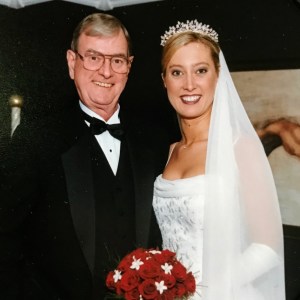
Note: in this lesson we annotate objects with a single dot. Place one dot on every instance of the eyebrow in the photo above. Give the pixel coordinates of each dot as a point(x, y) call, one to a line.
point(194, 65)
point(99, 53)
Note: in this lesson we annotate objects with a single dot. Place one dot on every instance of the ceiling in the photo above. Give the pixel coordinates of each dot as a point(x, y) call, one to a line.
point(99, 4)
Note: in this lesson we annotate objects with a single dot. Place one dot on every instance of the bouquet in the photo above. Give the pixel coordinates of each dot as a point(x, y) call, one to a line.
point(151, 274)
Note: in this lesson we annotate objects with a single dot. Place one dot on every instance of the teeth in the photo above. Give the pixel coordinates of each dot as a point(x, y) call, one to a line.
point(103, 84)
point(190, 98)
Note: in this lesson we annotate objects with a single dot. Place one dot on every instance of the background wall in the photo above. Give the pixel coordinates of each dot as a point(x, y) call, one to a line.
point(272, 97)
point(254, 35)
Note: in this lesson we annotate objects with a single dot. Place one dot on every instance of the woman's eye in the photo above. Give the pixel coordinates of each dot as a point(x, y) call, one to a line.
point(176, 73)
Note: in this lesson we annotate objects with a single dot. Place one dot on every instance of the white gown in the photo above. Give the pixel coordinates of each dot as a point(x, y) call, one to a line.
point(178, 205)
point(179, 208)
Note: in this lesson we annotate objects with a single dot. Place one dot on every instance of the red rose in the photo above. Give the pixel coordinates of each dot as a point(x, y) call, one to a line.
point(125, 263)
point(169, 280)
point(164, 257)
point(110, 283)
point(139, 253)
point(148, 289)
point(190, 283)
point(130, 280)
point(169, 255)
point(180, 290)
point(166, 295)
point(179, 272)
point(132, 295)
point(150, 269)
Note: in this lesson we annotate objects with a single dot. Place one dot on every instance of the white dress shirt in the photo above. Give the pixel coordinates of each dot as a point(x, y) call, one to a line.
point(109, 145)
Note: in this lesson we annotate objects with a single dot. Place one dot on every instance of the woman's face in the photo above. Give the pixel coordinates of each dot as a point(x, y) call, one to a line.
point(190, 80)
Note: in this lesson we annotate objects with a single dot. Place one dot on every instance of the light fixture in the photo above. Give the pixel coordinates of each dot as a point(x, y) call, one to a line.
point(99, 4)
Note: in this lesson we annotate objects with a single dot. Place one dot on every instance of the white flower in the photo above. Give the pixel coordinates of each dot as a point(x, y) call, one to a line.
point(167, 268)
point(136, 263)
point(117, 276)
point(154, 251)
point(160, 286)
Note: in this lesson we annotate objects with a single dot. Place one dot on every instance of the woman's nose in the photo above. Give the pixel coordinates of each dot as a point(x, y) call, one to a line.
point(189, 83)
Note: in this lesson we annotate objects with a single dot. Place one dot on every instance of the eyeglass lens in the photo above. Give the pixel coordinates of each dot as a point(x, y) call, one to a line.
point(94, 62)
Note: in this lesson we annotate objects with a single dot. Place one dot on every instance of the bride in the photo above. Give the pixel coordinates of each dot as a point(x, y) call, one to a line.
point(216, 203)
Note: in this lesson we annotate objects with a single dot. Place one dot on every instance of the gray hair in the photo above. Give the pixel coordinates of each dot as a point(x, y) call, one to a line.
point(99, 24)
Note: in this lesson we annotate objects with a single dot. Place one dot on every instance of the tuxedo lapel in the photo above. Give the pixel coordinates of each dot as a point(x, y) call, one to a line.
point(78, 173)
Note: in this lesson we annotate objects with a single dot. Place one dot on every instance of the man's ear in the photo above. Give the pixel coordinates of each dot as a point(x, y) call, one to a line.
point(130, 59)
point(71, 58)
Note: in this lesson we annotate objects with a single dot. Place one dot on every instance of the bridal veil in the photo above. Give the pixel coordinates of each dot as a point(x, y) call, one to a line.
point(243, 240)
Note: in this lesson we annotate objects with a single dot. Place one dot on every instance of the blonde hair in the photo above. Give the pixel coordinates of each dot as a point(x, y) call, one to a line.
point(184, 38)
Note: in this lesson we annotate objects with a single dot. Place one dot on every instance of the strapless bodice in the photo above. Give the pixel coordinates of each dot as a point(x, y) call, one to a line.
point(178, 206)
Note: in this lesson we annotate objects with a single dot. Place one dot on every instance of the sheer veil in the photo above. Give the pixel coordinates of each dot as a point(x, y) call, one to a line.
point(243, 241)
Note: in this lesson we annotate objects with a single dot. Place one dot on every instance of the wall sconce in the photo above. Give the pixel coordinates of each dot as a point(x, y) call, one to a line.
point(16, 103)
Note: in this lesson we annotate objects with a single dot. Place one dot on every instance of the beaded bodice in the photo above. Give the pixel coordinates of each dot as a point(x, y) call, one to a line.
point(178, 206)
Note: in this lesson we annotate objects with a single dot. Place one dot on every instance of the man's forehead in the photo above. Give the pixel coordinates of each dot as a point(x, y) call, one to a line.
point(117, 40)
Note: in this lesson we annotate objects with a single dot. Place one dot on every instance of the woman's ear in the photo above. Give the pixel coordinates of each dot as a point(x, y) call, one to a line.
point(163, 78)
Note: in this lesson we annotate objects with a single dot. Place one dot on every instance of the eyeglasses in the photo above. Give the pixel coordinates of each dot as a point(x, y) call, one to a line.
point(94, 61)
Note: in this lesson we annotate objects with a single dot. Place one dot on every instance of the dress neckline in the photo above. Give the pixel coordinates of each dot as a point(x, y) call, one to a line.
point(181, 179)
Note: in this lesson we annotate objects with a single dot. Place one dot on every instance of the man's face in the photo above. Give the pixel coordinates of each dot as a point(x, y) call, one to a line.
point(99, 90)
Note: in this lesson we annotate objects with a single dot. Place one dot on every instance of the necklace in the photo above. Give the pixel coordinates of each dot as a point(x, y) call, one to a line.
point(184, 146)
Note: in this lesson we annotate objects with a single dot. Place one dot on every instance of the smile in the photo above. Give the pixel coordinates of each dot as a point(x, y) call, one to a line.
point(103, 84)
point(190, 99)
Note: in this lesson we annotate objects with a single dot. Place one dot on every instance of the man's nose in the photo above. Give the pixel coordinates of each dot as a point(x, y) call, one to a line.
point(105, 69)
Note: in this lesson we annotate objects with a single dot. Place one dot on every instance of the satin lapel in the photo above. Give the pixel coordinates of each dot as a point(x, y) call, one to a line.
point(78, 171)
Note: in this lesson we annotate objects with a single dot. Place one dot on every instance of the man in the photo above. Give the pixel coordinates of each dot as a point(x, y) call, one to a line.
point(75, 196)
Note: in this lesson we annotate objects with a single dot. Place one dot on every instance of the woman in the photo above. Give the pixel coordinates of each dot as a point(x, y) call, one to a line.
point(216, 202)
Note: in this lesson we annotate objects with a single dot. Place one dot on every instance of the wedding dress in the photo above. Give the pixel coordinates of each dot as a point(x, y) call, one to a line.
point(179, 210)
point(178, 206)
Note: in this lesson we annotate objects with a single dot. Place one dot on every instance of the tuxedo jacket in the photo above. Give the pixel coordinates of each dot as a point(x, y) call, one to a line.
point(55, 210)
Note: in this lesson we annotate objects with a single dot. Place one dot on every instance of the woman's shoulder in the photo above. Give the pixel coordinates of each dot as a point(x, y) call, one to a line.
point(172, 146)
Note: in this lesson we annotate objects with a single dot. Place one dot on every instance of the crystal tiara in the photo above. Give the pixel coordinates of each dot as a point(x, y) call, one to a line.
point(193, 26)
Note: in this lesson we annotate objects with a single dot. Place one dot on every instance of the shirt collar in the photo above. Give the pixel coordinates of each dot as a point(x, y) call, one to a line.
point(114, 119)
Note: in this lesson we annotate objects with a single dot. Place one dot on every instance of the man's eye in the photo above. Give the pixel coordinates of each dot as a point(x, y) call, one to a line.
point(201, 71)
point(118, 60)
point(93, 58)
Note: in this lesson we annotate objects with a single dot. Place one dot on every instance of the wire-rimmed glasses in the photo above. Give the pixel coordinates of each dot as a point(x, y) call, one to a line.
point(93, 61)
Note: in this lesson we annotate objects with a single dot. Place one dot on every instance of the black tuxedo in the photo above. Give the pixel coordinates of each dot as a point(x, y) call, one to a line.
point(64, 216)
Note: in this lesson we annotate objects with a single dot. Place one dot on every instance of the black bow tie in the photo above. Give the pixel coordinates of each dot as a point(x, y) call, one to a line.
point(97, 126)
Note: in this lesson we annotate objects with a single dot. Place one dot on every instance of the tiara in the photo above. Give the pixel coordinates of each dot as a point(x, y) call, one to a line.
point(193, 26)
